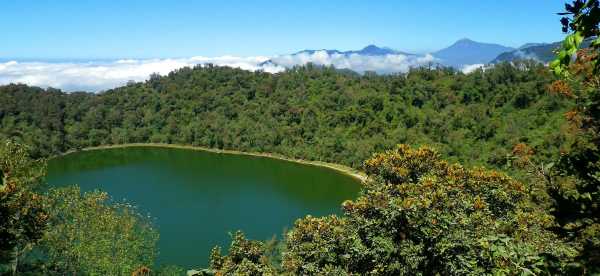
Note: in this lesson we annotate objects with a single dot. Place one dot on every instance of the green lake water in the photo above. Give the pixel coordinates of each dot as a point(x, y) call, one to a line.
point(196, 198)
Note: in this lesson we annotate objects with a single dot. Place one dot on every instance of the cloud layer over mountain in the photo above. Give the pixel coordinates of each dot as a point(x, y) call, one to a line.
point(356, 62)
point(97, 76)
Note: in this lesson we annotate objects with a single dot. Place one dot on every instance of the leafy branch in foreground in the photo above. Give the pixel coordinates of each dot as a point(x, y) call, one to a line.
point(581, 20)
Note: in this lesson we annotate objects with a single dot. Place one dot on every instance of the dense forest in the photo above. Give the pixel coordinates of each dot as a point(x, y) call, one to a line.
point(308, 112)
point(496, 172)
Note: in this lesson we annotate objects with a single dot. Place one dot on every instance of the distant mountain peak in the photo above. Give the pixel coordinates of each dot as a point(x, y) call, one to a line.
point(527, 45)
point(542, 52)
point(371, 47)
point(469, 42)
point(374, 50)
point(465, 40)
point(369, 50)
point(466, 51)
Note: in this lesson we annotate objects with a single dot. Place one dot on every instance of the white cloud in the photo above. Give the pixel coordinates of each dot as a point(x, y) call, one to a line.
point(356, 62)
point(472, 67)
point(96, 76)
point(524, 55)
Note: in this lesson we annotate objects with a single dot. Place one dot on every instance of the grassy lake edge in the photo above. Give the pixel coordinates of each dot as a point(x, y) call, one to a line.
point(337, 167)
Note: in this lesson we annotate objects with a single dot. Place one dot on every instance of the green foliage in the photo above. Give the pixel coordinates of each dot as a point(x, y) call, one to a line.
point(322, 246)
point(439, 216)
point(582, 20)
point(89, 236)
point(61, 231)
point(246, 257)
point(420, 215)
point(23, 218)
point(575, 185)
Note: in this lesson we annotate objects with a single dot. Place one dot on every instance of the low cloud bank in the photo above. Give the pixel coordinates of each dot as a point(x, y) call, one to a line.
point(472, 67)
point(520, 54)
point(97, 76)
point(359, 63)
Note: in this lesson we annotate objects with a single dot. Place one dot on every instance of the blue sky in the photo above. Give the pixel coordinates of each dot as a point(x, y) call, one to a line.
point(159, 29)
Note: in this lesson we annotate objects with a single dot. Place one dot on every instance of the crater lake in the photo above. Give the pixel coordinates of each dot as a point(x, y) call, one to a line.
point(196, 198)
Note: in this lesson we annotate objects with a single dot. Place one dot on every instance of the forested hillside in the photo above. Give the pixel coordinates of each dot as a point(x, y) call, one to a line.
point(524, 201)
point(308, 112)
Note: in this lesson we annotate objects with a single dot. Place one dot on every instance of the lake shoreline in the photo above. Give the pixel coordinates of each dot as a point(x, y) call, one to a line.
point(337, 167)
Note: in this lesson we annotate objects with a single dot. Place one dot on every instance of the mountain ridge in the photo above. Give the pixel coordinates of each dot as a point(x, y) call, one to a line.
point(542, 52)
point(461, 53)
point(466, 51)
point(369, 50)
